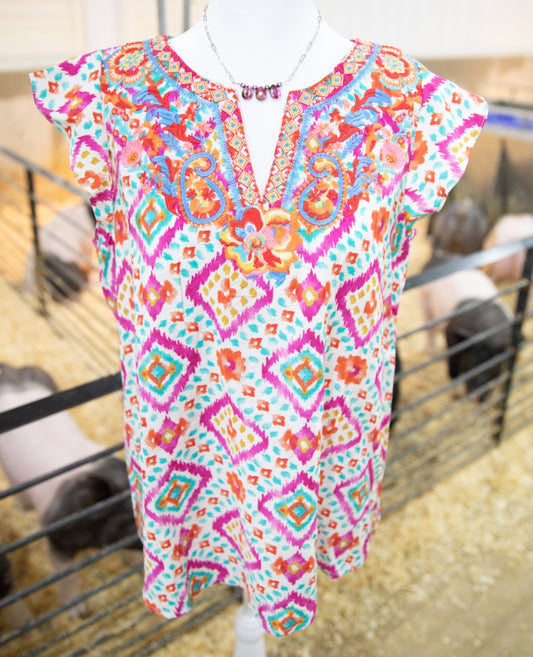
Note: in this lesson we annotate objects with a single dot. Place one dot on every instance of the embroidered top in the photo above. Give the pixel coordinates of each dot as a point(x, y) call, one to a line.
point(257, 331)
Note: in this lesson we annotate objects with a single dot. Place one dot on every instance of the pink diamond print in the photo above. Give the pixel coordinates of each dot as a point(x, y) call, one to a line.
point(446, 146)
point(292, 510)
point(165, 366)
point(244, 549)
point(292, 613)
point(153, 568)
point(310, 294)
point(297, 372)
point(228, 296)
point(338, 424)
point(362, 317)
point(295, 567)
point(201, 574)
point(174, 494)
point(123, 273)
point(326, 239)
point(354, 493)
point(240, 438)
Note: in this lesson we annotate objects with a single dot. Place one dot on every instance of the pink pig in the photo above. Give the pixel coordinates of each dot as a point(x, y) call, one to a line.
point(508, 228)
point(51, 443)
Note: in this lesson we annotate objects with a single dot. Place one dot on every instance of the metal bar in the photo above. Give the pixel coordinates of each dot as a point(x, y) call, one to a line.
point(472, 455)
point(235, 595)
point(521, 304)
point(495, 360)
point(161, 17)
point(186, 15)
point(48, 616)
point(93, 620)
point(59, 401)
point(64, 522)
point(42, 172)
point(409, 451)
point(18, 488)
point(38, 263)
point(464, 308)
point(461, 346)
point(478, 259)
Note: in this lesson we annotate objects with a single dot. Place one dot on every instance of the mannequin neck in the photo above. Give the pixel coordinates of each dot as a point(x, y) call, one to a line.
point(243, 31)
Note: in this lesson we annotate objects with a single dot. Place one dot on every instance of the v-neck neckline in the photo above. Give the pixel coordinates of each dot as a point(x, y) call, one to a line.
point(296, 102)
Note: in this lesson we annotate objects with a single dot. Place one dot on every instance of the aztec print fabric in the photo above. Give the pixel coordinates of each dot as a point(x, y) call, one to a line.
point(257, 331)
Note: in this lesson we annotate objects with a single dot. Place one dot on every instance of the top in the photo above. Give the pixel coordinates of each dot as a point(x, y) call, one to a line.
point(257, 331)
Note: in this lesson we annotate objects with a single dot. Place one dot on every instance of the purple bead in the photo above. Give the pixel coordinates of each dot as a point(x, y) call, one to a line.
point(260, 93)
point(275, 90)
point(247, 92)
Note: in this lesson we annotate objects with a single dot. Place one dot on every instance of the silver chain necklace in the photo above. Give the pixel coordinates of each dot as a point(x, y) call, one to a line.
point(261, 91)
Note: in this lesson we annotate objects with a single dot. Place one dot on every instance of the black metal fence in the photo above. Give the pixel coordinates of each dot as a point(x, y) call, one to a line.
point(436, 431)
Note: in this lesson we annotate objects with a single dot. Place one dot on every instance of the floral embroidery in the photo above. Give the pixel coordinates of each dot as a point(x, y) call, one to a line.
point(129, 64)
point(394, 71)
point(261, 241)
point(130, 155)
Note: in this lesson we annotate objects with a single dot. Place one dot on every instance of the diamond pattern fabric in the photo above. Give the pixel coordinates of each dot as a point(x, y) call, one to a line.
point(257, 331)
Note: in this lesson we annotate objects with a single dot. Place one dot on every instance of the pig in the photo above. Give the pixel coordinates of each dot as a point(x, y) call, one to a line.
point(53, 442)
point(67, 253)
point(450, 294)
point(460, 227)
point(508, 228)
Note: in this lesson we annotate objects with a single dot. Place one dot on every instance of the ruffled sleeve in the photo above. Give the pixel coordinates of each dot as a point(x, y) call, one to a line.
point(69, 96)
point(448, 120)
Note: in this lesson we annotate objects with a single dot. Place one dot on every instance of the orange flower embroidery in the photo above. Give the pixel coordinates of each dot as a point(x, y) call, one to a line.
point(129, 64)
point(260, 241)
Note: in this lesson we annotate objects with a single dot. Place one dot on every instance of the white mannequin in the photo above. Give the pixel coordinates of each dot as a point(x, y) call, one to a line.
point(260, 42)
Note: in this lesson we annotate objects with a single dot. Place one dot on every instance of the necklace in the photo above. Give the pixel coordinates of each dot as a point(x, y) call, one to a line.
point(261, 91)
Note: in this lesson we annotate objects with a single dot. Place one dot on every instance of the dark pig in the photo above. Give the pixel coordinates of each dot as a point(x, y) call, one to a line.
point(67, 253)
point(450, 295)
point(459, 227)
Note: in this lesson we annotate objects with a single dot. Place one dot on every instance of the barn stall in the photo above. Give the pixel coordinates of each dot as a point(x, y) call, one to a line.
point(435, 434)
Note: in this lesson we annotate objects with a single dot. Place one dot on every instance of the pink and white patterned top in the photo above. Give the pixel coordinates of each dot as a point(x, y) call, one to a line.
point(257, 331)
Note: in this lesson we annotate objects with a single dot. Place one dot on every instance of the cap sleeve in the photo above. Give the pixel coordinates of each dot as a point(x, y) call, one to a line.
point(69, 96)
point(448, 121)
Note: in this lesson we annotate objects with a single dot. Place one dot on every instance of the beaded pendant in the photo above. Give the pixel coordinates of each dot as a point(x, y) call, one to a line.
point(249, 91)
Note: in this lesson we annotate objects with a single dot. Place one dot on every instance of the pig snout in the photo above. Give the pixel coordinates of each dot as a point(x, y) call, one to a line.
point(102, 527)
point(468, 324)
